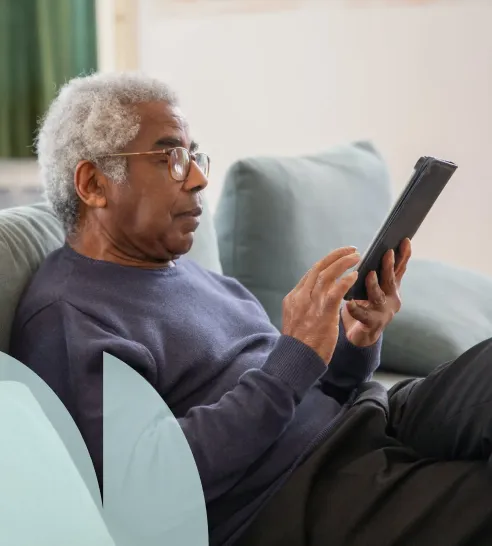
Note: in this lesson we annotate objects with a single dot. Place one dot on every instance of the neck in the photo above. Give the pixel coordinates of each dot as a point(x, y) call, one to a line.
point(100, 247)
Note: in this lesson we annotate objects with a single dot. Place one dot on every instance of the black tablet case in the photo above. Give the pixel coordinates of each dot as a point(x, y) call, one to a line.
point(426, 184)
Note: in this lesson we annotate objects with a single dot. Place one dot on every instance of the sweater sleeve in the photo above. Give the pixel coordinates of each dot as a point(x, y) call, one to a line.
point(350, 367)
point(65, 348)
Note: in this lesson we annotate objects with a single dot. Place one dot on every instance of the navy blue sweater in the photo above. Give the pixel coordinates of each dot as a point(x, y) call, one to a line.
point(252, 403)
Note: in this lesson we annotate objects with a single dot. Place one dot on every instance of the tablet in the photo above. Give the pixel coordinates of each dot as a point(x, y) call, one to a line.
point(428, 180)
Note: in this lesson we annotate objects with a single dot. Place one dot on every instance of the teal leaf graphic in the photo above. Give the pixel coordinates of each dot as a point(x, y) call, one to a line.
point(52, 409)
point(43, 499)
point(49, 495)
point(152, 490)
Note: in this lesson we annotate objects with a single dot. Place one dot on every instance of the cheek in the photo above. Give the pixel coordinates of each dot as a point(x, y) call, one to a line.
point(151, 194)
point(153, 215)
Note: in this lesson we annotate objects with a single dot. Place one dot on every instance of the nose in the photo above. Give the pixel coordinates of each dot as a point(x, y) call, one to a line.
point(196, 180)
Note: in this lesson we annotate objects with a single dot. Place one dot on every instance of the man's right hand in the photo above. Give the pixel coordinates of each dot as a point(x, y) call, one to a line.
point(311, 311)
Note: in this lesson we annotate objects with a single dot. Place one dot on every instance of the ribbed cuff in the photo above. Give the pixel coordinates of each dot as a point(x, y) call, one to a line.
point(354, 361)
point(296, 364)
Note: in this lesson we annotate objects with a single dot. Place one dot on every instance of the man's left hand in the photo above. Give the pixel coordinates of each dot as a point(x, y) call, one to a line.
point(365, 320)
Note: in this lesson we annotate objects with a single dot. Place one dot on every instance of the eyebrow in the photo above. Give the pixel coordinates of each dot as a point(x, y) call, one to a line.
point(172, 142)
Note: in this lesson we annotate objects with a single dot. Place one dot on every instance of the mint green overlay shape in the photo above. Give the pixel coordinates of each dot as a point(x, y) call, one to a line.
point(49, 494)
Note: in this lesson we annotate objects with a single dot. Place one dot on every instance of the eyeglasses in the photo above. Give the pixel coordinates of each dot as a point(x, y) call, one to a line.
point(179, 161)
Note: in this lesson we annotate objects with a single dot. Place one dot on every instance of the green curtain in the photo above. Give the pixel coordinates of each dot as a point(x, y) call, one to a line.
point(43, 43)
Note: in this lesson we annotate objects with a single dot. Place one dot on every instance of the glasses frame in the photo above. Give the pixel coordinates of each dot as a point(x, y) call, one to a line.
point(167, 153)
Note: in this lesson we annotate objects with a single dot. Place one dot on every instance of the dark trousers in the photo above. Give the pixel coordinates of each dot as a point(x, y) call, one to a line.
point(408, 467)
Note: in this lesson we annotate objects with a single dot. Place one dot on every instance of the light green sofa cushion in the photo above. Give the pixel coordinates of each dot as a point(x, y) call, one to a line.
point(27, 235)
point(205, 249)
point(446, 310)
point(277, 216)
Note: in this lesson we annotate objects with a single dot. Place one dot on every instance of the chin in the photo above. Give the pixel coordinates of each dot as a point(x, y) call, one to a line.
point(183, 245)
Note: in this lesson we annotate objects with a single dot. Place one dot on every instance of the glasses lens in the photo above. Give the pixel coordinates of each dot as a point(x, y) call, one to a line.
point(203, 162)
point(180, 164)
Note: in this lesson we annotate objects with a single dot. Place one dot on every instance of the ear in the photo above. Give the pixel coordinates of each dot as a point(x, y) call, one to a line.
point(90, 185)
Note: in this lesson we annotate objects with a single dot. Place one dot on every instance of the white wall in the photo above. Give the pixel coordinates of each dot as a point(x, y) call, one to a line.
point(117, 35)
point(415, 80)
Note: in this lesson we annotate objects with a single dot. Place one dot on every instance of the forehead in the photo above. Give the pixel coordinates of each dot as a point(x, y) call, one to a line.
point(158, 120)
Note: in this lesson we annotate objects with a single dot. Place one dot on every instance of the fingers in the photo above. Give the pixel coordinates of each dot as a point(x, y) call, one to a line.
point(392, 272)
point(375, 294)
point(332, 297)
point(388, 277)
point(343, 285)
point(405, 253)
point(328, 276)
point(369, 312)
point(310, 278)
point(361, 313)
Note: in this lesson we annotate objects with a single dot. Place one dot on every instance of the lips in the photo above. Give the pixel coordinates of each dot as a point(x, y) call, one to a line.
point(194, 213)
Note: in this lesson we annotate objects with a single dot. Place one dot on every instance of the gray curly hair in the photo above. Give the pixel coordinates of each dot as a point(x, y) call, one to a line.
point(91, 116)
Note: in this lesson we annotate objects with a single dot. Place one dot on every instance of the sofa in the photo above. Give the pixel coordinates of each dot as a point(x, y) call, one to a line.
point(276, 216)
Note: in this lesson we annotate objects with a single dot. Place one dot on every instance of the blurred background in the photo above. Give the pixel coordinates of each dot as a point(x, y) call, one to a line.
point(279, 77)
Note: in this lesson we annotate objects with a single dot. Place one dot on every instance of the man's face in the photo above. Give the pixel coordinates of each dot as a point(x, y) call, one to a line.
point(152, 215)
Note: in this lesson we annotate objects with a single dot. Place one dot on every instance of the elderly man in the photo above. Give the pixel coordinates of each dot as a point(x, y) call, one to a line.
point(292, 443)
